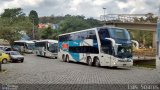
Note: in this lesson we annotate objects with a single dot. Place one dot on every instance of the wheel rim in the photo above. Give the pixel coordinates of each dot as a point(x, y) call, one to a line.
point(4, 61)
point(63, 58)
point(67, 58)
point(89, 62)
point(97, 63)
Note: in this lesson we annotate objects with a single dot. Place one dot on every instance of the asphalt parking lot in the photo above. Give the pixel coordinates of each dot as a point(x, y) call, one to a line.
point(47, 73)
point(40, 70)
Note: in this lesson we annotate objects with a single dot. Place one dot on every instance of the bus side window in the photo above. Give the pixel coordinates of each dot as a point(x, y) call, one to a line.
point(91, 34)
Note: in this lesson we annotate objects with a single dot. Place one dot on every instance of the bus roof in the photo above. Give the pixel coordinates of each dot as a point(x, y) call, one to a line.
point(90, 29)
point(26, 41)
point(48, 40)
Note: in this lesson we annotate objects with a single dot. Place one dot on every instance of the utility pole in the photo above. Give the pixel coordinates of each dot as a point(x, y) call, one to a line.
point(33, 30)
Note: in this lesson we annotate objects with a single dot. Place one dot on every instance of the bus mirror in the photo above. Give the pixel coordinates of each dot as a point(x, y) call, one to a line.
point(112, 41)
point(135, 44)
point(48, 44)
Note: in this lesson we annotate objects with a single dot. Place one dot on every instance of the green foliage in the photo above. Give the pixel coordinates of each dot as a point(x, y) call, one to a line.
point(143, 37)
point(74, 23)
point(15, 12)
point(67, 23)
point(46, 33)
point(33, 16)
point(12, 22)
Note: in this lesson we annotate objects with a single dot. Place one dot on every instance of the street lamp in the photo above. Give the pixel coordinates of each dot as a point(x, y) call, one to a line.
point(104, 12)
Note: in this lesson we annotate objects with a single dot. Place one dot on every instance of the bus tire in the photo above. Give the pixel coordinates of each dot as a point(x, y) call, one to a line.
point(44, 54)
point(63, 58)
point(89, 61)
point(97, 62)
point(67, 58)
point(55, 58)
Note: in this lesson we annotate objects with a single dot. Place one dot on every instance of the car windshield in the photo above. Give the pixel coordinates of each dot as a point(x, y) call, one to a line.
point(15, 53)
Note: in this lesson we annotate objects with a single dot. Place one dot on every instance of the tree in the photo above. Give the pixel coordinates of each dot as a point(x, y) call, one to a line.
point(15, 12)
point(47, 33)
point(33, 16)
point(12, 22)
point(68, 23)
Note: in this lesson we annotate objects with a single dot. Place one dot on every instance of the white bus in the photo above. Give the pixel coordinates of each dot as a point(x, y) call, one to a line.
point(46, 48)
point(101, 46)
point(24, 46)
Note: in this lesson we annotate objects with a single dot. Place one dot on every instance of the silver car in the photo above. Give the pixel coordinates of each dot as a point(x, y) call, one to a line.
point(15, 56)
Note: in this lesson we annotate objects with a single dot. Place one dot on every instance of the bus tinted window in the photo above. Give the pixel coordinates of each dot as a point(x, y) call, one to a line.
point(64, 38)
point(91, 34)
point(84, 35)
point(103, 33)
point(83, 49)
point(40, 44)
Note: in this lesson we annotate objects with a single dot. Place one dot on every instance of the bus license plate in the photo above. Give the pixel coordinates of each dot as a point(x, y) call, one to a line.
point(124, 64)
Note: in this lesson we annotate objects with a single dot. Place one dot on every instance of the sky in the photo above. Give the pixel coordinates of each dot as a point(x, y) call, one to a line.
point(88, 8)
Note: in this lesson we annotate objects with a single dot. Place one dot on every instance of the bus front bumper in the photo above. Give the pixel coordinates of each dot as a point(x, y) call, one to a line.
point(122, 64)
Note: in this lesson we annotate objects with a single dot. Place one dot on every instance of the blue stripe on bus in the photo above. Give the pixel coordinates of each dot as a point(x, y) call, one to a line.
point(75, 56)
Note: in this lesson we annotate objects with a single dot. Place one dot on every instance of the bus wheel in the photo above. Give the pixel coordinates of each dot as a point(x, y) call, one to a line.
point(89, 61)
point(67, 58)
point(97, 62)
point(63, 58)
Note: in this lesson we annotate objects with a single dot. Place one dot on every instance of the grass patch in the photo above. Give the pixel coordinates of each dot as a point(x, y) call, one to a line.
point(145, 63)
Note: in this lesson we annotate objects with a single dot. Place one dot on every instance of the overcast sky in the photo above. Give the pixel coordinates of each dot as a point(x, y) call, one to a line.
point(88, 8)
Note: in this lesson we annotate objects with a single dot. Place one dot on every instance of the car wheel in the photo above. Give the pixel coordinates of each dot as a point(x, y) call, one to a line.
point(21, 61)
point(4, 61)
point(55, 58)
point(11, 61)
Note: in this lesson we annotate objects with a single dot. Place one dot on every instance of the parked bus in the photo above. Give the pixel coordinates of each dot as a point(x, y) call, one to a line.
point(101, 46)
point(46, 48)
point(24, 46)
point(4, 47)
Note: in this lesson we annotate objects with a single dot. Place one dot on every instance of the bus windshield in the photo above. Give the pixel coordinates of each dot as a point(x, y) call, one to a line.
point(124, 52)
point(30, 46)
point(119, 33)
point(53, 47)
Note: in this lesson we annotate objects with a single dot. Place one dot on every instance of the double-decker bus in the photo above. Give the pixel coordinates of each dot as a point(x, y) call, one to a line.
point(46, 48)
point(101, 46)
point(24, 46)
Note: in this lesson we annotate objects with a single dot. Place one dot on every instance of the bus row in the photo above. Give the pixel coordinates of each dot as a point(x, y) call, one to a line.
point(101, 46)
